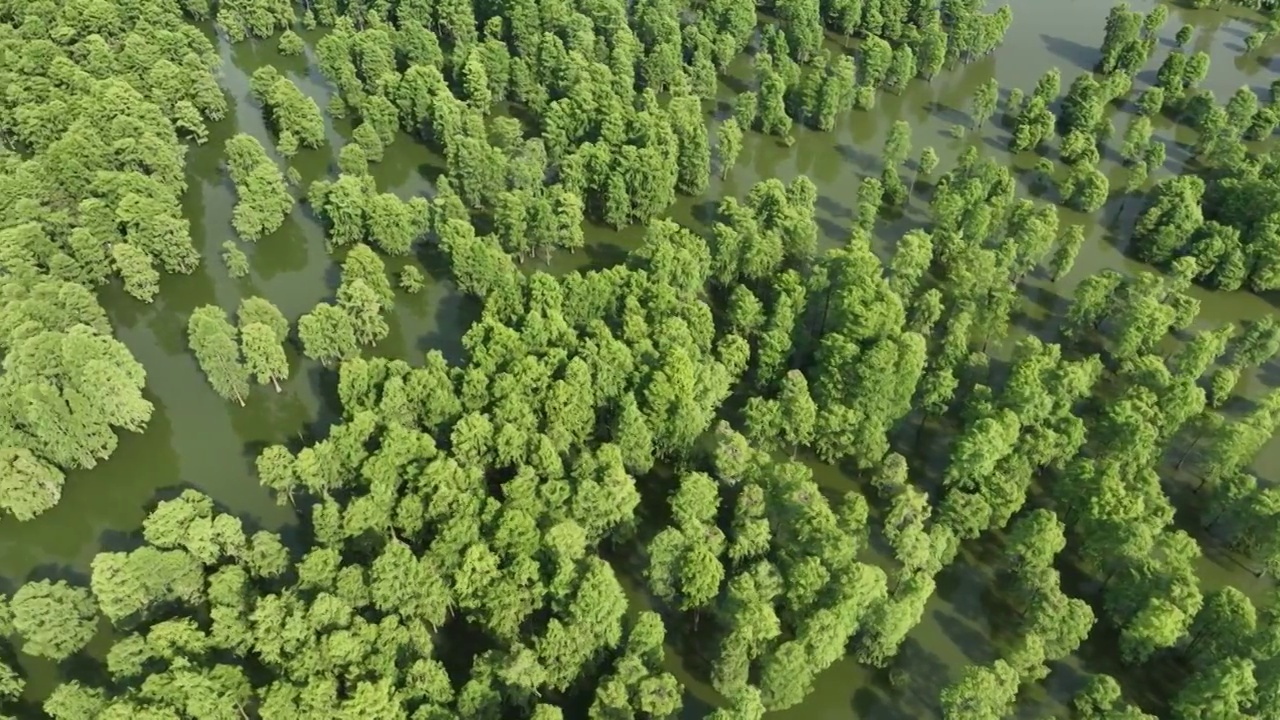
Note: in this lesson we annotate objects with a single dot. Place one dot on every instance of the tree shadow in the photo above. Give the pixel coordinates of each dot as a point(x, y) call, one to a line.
point(832, 230)
point(55, 572)
point(431, 172)
point(972, 642)
point(833, 208)
point(455, 313)
point(704, 212)
point(872, 703)
point(948, 114)
point(1268, 374)
point(1081, 56)
point(324, 387)
point(861, 160)
point(926, 676)
point(287, 249)
point(734, 83)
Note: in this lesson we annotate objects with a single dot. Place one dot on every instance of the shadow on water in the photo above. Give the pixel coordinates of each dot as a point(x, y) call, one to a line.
point(1082, 57)
point(972, 641)
point(949, 115)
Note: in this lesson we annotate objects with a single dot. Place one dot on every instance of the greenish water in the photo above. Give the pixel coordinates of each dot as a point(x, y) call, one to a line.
point(195, 439)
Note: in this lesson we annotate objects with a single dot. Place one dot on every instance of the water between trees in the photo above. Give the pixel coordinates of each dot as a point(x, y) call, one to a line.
point(196, 439)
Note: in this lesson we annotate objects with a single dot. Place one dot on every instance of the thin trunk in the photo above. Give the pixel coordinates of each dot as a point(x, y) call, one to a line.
point(1195, 640)
point(1215, 519)
point(1186, 453)
point(276, 384)
point(1203, 480)
point(826, 305)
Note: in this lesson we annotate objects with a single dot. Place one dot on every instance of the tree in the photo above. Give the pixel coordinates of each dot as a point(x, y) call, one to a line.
point(898, 144)
point(1086, 188)
point(234, 258)
point(411, 279)
point(902, 68)
point(29, 485)
point(1225, 689)
point(215, 343)
point(728, 145)
point(984, 102)
point(264, 357)
point(1100, 699)
point(928, 162)
point(1224, 627)
point(327, 334)
point(983, 693)
point(54, 619)
point(799, 409)
point(1064, 257)
point(262, 201)
point(1258, 343)
point(290, 43)
point(911, 261)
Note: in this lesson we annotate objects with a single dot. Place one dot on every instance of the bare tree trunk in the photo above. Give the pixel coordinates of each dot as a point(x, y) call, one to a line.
point(1187, 452)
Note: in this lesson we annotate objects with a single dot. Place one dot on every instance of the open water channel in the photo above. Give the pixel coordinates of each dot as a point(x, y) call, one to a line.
point(195, 439)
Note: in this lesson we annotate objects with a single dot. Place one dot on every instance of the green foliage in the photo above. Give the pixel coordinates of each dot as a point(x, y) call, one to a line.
point(234, 258)
point(289, 112)
point(215, 343)
point(262, 201)
point(411, 279)
point(472, 505)
point(290, 43)
point(55, 619)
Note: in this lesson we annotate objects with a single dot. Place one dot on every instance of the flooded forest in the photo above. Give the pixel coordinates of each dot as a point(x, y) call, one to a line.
point(794, 359)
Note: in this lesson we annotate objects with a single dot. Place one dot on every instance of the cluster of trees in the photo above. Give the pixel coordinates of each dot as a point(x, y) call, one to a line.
point(92, 123)
point(262, 199)
point(355, 212)
point(233, 355)
point(1082, 123)
point(1222, 211)
point(589, 82)
point(458, 555)
point(293, 116)
point(487, 495)
point(336, 331)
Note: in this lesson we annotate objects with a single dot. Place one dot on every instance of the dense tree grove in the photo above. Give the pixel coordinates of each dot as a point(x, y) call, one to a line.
point(627, 453)
point(97, 105)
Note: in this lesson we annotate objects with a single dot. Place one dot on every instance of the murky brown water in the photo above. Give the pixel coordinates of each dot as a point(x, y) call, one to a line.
point(197, 440)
